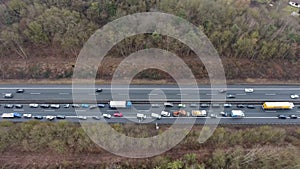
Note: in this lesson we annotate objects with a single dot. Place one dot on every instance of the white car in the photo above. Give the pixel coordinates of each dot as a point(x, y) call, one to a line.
point(155, 105)
point(33, 105)
point(50, 117)
point(167, 104)
point(82, 117)
point(108, 116)
point(181, 105)
point(165, 114)
point(294, 96)
point(8, 95)
point(157, 116)
point(55, 106)
point(27, 115)
point(213, 115)
point(249, 90)
point(294, 4)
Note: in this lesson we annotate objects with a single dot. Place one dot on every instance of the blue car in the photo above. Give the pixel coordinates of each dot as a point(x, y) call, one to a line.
point(85, 105)
point(17, 115)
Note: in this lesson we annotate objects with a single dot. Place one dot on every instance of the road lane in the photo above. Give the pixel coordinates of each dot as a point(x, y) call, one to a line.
point(253, 116)
point(143, 92)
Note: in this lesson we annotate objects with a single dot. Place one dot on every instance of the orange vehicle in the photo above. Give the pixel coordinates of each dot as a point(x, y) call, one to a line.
point(179, 113)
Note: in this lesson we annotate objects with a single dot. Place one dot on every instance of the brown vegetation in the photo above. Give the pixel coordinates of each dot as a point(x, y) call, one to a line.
point(64, 145)
point(41, 39)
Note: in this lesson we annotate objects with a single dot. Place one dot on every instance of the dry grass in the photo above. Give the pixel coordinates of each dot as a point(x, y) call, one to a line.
point(145, 81)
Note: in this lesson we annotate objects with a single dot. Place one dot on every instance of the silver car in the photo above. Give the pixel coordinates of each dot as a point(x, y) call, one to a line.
point(33, 105)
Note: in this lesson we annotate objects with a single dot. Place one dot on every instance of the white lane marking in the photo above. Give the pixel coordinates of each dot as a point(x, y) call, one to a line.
point(134, 117)
point(49, 110)
point(63, 93)
point(270, 94)
point(149, 88)
point(93, 94)
point(16, 110)
point(270, 111)
point(121, 94)
point(151, 94)
point(182, 94)
point(35, 93)
point(211, 94)
point(81, 110)
point(241, 94)
point(298, 111)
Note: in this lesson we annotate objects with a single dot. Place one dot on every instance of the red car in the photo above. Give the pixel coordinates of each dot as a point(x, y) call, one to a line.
point(118, 114)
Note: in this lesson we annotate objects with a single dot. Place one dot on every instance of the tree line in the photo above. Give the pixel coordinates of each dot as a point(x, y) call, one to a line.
point(238, 29)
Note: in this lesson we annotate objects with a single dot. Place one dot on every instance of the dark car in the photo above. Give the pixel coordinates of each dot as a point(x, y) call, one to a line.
point(250, 106)
point(20, 91)
point(99, 90)
point(19, 106)
point(230, 96)
point(292, 116)
point(75, 105)
point(240, 106)
point(282, 116)
point(224, 114)
point(38, 117)
point(60, 117)
point(9, 106)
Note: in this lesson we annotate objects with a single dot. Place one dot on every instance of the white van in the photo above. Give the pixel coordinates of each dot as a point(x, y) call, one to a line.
point(141, 116)
point(157, 116)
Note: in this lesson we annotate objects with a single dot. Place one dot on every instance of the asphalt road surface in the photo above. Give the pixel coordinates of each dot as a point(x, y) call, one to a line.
point(160, 94)
point(254, 115)
point(151, 92)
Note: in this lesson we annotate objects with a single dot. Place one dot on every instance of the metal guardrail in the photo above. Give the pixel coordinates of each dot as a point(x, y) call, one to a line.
point(15, 101)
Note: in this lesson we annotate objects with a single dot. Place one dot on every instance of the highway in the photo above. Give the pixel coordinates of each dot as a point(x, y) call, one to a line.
point(63, 94)
point(155, 92)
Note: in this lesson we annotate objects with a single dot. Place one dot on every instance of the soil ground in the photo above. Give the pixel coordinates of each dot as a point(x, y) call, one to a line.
point(53, 70)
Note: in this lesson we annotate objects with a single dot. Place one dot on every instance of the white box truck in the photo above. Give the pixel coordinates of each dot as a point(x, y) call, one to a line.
point(119, 104)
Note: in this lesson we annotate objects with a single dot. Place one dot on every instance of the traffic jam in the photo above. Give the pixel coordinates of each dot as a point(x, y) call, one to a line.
point(113, 109)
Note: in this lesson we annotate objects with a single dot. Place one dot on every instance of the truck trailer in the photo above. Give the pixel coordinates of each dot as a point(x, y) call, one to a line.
point(199, 113)
point(8, 115)
point(119, 104)
point(277, 105)
point(11, 115)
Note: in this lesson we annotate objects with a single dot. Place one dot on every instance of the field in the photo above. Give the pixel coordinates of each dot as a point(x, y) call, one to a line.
point(65, 145)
